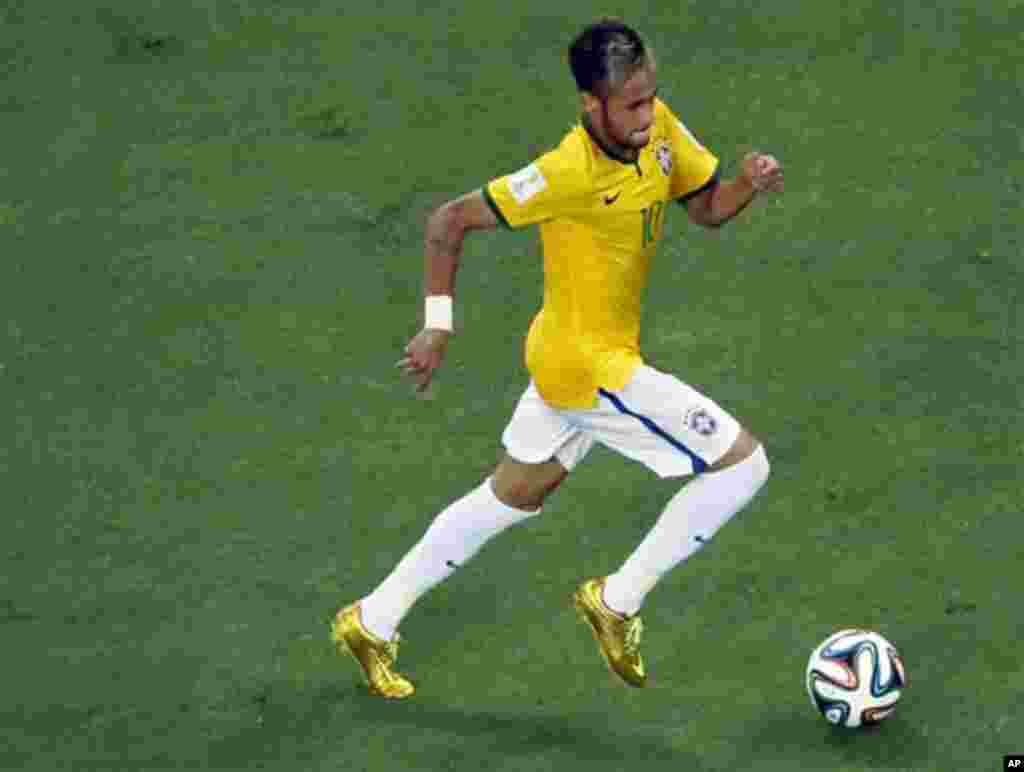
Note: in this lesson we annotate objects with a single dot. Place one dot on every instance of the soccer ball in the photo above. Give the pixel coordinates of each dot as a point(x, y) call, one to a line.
point(855, 678)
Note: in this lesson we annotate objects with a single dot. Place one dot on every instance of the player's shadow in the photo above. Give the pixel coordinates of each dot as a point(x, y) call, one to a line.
point(598, 738)
point(346, 713)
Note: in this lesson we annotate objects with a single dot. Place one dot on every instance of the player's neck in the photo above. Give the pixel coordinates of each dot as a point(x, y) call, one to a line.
point(625, 155)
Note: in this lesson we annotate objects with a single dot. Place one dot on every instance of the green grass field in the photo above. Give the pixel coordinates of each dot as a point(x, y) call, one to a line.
point(210, 226)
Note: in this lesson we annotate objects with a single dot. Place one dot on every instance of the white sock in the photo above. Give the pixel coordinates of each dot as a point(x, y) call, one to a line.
point(454, 537)
point(689, 521)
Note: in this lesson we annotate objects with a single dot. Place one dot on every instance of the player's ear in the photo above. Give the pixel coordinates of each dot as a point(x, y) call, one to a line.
point(589, 102)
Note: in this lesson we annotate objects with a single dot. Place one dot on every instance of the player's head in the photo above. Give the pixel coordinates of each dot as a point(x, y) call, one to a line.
point(615, 75)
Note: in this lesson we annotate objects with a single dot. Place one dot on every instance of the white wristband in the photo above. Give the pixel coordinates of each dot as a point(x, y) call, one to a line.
point(438, 313)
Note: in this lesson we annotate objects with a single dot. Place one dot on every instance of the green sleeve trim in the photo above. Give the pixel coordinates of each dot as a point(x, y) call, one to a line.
point(494, 207)
point(712, 182)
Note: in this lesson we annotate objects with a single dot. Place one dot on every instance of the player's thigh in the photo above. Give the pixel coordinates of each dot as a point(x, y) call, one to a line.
point(664, 423)
point(541, 447)
point(537, 433)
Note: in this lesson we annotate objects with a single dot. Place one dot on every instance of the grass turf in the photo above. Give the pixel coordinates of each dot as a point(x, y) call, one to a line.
point(211, 223)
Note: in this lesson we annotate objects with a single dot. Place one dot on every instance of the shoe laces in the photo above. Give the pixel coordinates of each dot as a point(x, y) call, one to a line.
point(391, 648)
point(633, 629)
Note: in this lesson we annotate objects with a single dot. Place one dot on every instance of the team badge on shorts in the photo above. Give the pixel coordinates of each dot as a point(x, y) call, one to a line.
point(701, 421)
point(664, 156)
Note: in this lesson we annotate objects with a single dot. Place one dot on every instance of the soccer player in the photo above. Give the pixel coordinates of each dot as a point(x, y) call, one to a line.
point(599, 199)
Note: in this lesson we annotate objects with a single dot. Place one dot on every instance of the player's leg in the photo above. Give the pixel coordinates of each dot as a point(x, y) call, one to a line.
point(547, 447)
point(512, 494)
point(689, 521)
point(368, 628)
point(541, 446)
point(676, 431)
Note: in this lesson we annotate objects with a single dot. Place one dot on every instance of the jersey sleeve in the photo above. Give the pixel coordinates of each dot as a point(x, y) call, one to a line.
point(695, 166)
point(552, 186)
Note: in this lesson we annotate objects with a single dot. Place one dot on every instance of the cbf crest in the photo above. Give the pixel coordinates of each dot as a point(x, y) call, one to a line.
point(664, 156)
point(700, 421)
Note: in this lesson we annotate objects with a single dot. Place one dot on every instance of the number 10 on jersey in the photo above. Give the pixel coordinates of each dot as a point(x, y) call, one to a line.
point(653, 216)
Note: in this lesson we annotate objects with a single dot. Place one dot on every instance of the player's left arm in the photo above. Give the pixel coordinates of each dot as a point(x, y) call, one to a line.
point(719, 202)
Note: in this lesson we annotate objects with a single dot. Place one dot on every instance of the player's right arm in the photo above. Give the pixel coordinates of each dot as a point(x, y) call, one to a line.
point(446, 230)
point(551, 186)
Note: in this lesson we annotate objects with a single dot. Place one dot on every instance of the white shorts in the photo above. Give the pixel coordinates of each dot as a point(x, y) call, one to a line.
point(656, 419)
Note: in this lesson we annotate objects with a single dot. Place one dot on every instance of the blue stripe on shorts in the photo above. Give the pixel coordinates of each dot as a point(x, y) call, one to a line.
point(699, 465)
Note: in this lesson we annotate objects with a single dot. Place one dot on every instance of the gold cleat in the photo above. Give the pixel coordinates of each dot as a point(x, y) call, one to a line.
point(374, 655)
point(618, 635)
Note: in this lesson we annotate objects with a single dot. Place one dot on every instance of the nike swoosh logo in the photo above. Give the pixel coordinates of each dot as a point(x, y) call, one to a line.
point(612, 199)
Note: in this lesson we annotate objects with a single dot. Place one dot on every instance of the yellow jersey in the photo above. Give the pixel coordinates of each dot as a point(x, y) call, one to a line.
point(600, 220)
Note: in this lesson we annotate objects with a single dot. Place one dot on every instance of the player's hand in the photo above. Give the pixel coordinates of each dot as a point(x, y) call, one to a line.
point(423, 355)
point(763, 172)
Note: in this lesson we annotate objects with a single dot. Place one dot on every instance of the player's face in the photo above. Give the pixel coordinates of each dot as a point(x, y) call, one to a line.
point(627, 114)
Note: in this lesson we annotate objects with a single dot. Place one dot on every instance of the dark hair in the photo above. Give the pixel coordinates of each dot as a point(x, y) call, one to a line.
point(604, 55)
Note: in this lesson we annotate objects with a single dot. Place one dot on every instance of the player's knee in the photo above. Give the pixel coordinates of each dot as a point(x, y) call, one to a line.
point(745, 445)
point(518, 493)
point(515, 487)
